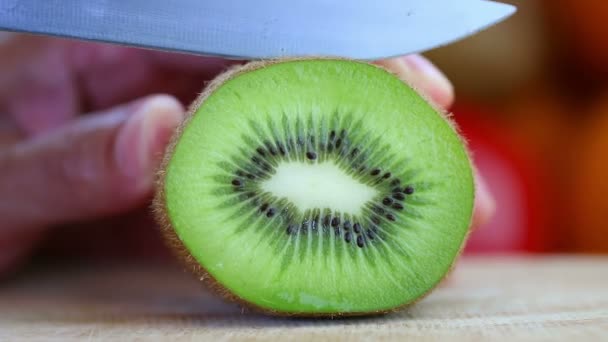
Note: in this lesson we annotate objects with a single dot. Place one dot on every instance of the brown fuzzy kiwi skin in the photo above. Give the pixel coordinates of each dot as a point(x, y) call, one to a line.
point(178, 247)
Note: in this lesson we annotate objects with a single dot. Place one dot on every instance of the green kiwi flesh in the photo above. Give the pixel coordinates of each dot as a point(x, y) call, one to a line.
point(317, 187)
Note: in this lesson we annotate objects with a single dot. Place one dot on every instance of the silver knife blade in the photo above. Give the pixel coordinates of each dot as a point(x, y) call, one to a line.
point(252, 29)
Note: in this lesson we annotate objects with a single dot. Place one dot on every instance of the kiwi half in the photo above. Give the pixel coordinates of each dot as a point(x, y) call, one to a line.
point(316, 187)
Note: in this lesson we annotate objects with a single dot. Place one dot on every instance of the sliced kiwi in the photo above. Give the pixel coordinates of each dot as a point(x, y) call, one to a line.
point(317, 187)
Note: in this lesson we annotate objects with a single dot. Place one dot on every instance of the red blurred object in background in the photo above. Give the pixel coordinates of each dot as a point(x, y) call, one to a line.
point(514, 178)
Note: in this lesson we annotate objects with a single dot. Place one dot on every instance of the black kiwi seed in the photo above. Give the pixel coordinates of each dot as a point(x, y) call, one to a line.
point(304, 226)
point(264, 207)
point(390, 217)
point(397, 206)
point(354, 152)
point(250, 176)
point(261, 151)
point(240, 173)
point(338, 143)
point(315, 222)
point(378, 210)
point(236, 182)
point(270, 148)
point(357, 228)
point(326, 221)
point(375, 172)
point(370, 234)
point(281, 149)
point(332, 135)
point(395, 182)
point(375, 220)
point(408, 190)
point(335, 222)
point(346, 225)
point(347, 237)
point(399, 196)
point(270, 212)
point(360, 242)
point(311, 155)
point(387, 201)
point(387, 175)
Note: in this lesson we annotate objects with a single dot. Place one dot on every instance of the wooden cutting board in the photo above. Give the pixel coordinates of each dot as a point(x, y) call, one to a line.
point(514, 298)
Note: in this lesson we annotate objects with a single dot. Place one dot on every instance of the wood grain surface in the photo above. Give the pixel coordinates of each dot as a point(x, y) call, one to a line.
point(492, 298)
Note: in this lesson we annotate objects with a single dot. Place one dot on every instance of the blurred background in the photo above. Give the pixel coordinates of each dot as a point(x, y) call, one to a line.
point(532, 99)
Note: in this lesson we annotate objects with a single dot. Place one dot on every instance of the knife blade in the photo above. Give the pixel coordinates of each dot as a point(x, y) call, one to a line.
point(247, 29)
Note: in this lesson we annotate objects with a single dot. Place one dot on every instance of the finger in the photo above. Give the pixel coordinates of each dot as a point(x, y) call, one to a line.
point(36, 84)
point(424, 76)
point(82, 55)
point(99, 165)
point(109, 74)
point(485, 205)
point(9, 133)
point(191, 63)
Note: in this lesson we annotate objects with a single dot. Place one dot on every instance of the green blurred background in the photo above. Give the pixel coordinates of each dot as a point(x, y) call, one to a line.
point(532, 99)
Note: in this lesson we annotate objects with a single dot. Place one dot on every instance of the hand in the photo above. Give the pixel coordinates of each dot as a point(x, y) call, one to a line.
point(59, 165)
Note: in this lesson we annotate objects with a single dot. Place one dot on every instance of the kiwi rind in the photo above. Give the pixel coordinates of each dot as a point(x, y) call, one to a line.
point(191, 264)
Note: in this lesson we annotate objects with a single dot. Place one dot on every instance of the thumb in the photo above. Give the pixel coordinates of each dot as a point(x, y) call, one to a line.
point(424, 76)
point(99, 165)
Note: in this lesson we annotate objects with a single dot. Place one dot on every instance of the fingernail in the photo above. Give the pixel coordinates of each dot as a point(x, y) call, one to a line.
point(421, 73)
point(485, 205)
point(142, 139)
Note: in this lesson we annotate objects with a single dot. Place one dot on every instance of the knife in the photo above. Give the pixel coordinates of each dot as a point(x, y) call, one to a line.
point(256, 29)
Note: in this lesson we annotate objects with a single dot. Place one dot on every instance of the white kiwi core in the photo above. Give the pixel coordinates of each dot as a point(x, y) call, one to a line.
point(319, 185)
